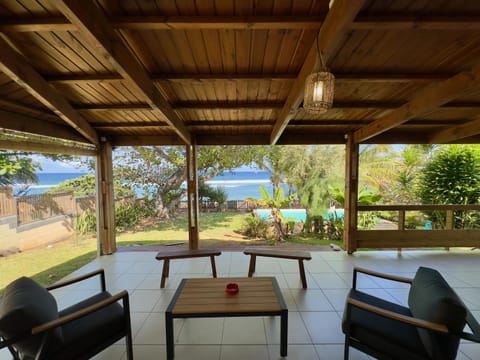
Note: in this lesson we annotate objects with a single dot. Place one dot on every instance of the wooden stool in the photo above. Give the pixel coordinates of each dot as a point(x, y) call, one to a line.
point(185, 254)
point(283, 254)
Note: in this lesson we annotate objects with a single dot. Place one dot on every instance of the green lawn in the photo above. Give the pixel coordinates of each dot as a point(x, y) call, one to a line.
point(49, 264)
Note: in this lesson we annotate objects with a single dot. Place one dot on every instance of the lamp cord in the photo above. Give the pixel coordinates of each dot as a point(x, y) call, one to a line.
point(322, 62)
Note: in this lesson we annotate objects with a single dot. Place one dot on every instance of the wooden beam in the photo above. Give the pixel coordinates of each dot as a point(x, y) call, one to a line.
point(212, 105)
point(27, 124)
point(15, 66)
point(24, 108)
point(112, 107)
point(45, 148)
point(381, 77)
point(330, 36)
point(351, 195)
point(95, 27)
point(456, 133)
point(148, 140)
point(378, 22)
point(423, 102)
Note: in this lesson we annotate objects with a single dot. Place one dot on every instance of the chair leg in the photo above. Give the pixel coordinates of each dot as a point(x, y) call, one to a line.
point(128, 341)
point(346, 349)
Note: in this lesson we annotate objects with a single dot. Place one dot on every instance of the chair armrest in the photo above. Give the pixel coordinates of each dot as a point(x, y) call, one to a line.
point(378, 274)
point(474, 326)
point(399, 317)
point(83, 312)
point(100, 272)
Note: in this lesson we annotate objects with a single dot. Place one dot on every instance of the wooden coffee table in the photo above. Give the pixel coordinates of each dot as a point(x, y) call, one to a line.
point(204, 298)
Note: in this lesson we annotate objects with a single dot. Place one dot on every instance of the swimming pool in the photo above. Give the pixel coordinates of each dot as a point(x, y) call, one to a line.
point(299, 215)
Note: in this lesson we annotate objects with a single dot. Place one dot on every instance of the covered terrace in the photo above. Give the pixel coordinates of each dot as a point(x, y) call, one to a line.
point(83, 77)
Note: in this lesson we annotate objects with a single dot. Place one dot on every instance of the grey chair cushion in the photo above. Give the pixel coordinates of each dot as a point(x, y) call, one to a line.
point(381, 334)
point(27, 304)
point(432, 299)
point(84, 336)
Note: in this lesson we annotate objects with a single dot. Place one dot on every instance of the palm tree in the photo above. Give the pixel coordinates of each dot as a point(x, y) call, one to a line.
point(275, 203)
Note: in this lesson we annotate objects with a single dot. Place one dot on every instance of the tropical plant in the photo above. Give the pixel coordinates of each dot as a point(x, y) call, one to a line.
point(452, 176)
point(16, 168)
point(216, 195)
point(275, 203)
point(255, 227)
point(367, 219)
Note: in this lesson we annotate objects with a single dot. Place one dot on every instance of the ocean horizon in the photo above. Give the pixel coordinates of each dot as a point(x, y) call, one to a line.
point(239, 185)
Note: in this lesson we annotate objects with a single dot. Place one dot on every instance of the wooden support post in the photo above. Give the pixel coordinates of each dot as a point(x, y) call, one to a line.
point(450, 223)
point(192, 197)
point(105, 202)
point(351, 195)
point(401, 226)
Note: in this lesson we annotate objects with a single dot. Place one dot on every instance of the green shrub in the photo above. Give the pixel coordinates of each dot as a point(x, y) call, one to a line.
point(126, 216)
point(85, 223)
point(255, 227)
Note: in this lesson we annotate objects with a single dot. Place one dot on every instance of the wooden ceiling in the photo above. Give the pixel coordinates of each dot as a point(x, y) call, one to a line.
point(164, 72)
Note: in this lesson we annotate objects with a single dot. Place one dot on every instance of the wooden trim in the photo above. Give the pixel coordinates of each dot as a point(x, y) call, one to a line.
point(45, 148)
point(16, 67)
point(423, 102)
point(417, 238)
point(211, 105)
point(399, 317)
point(95, 27)
point(28, 124)
point(329, 38)
point(383, 275)
point(76, 279)
point(417, 207)
point(456, 132)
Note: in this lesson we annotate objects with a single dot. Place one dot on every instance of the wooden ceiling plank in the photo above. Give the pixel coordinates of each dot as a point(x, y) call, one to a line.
point(456, 133)
point(332, 32)
point(18, 69)
point(94, 26)
point(28, 124)
point(44, 148)
point(426, 100)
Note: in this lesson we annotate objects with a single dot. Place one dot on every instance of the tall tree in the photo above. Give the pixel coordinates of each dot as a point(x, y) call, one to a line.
point(160, 170)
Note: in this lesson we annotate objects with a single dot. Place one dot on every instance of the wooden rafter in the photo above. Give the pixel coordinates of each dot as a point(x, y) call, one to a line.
point(458, 132)
point(94, 26)
point(332, 32)
point(28, 124)
point(15, 66)
point(246, 23)
point(423, 102)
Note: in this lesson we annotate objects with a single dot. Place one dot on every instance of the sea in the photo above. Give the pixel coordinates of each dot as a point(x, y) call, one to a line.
point(239, 185)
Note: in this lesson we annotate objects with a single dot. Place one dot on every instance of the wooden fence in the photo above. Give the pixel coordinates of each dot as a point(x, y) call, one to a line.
point(32, 208)
point(7, 201)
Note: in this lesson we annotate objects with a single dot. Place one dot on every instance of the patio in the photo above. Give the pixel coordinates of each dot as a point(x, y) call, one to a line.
point(314, 314)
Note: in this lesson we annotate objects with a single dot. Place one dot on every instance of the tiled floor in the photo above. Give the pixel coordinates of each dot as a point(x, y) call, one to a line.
point(314, 314)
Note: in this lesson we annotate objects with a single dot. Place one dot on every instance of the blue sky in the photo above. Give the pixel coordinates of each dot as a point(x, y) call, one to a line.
point(50, 166)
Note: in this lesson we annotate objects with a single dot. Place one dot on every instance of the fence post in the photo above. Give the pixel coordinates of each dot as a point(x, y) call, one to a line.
point(401, 226)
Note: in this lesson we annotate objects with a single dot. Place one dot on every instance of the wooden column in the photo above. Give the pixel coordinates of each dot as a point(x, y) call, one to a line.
point(105, 200)
point(351, 195)
point(192, 197)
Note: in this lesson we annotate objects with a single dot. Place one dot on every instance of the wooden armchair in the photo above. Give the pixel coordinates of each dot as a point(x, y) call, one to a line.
point(32, 327)
point(429, 328)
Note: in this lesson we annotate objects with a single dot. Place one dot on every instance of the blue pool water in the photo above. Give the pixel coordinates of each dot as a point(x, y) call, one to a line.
point(299, 215)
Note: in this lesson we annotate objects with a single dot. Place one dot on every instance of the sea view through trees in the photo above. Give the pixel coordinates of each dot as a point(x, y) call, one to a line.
point(238, 184)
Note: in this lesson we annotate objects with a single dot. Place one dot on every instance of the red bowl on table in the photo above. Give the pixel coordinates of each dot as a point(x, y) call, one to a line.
point(232, 289)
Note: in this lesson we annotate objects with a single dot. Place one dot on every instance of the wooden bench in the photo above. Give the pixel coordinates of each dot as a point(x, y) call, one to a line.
point(283, 254)
point(185, 254)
